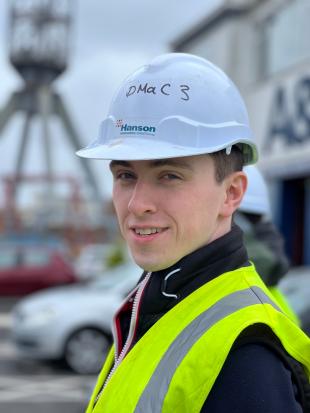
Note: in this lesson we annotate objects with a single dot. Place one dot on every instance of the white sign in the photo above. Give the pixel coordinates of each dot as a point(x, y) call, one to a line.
point(280, 118)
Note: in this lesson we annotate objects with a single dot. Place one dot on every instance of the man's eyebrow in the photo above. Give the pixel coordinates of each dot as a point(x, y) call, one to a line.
point(114, 164)
point(172, 162)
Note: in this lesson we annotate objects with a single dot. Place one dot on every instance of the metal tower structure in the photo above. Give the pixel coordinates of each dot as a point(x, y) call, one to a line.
point(39, 47)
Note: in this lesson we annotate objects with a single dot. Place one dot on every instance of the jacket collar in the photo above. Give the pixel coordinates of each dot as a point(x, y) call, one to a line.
point(167, 287)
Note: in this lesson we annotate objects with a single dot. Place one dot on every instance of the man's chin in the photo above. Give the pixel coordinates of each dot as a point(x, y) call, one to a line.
point(152, 266)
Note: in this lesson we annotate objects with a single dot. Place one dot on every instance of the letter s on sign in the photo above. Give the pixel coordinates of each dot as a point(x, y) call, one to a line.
point(162, 89)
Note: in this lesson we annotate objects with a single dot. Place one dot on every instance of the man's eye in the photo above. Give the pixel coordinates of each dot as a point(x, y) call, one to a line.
point(125, 176)
point(170, 177)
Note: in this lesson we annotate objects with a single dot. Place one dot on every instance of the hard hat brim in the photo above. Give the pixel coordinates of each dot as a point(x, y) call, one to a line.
point(138, 149)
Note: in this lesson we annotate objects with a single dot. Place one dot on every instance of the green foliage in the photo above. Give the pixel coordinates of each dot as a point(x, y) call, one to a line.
point(116, 256)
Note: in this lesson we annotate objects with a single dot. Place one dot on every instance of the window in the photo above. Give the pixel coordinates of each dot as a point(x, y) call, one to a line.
point(8, 258)
point(285, 37)
point(36, 258)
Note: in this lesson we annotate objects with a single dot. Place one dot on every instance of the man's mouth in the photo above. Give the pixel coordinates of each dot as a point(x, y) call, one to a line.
point(147, 231)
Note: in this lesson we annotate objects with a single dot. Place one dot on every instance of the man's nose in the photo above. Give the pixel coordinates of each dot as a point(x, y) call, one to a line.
point(142, 199)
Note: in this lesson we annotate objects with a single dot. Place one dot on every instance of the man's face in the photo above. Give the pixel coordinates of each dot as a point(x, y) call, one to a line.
point(168, 208)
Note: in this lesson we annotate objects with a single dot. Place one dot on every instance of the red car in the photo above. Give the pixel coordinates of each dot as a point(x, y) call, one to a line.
point(25, 269)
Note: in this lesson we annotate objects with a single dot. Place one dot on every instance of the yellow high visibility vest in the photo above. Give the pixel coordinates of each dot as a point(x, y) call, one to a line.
point(173, 367)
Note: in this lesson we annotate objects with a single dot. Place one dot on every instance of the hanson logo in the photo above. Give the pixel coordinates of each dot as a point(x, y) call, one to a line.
point(142, 129)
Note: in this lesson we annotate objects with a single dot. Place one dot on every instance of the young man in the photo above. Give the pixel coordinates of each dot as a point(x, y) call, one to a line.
point(200, 332)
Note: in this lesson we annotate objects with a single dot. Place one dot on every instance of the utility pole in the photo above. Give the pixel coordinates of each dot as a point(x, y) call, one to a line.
point(39, 48)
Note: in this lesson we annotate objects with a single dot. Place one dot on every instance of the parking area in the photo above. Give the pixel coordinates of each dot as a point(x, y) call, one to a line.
point(33, 387)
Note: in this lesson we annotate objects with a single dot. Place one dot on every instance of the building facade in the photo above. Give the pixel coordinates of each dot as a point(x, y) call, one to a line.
point(264, 46)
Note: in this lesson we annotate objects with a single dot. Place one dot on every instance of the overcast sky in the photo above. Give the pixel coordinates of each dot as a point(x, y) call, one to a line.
point(109, 40)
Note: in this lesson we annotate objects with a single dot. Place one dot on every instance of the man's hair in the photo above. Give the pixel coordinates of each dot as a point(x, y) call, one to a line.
point(227, 164)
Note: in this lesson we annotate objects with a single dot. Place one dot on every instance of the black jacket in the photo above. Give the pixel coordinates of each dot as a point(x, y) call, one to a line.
point(254, 377)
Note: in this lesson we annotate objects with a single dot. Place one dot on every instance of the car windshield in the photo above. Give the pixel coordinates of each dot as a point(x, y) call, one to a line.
point(35, 258)
point(15, 257)
point(8, 258)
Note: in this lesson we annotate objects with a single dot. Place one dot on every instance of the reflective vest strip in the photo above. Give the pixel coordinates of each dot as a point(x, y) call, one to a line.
point(152, 398)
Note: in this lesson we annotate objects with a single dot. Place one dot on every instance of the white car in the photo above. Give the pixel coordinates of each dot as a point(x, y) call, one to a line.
point(92, 261)
point(72, 323)
point(296, 288)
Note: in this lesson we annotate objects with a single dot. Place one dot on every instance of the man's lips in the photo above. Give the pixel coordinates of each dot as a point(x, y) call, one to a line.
point(147, 230)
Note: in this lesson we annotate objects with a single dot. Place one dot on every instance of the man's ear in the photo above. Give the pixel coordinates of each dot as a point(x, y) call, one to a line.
point(235, 186)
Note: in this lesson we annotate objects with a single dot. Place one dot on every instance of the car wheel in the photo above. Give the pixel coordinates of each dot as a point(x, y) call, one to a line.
point(86, 350)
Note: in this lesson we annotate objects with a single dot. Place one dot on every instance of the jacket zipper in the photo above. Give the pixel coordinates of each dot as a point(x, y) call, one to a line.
point(131, 333)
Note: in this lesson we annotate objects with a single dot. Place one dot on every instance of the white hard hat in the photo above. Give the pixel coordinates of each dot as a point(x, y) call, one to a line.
point(178, 105)
point(256, 197)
